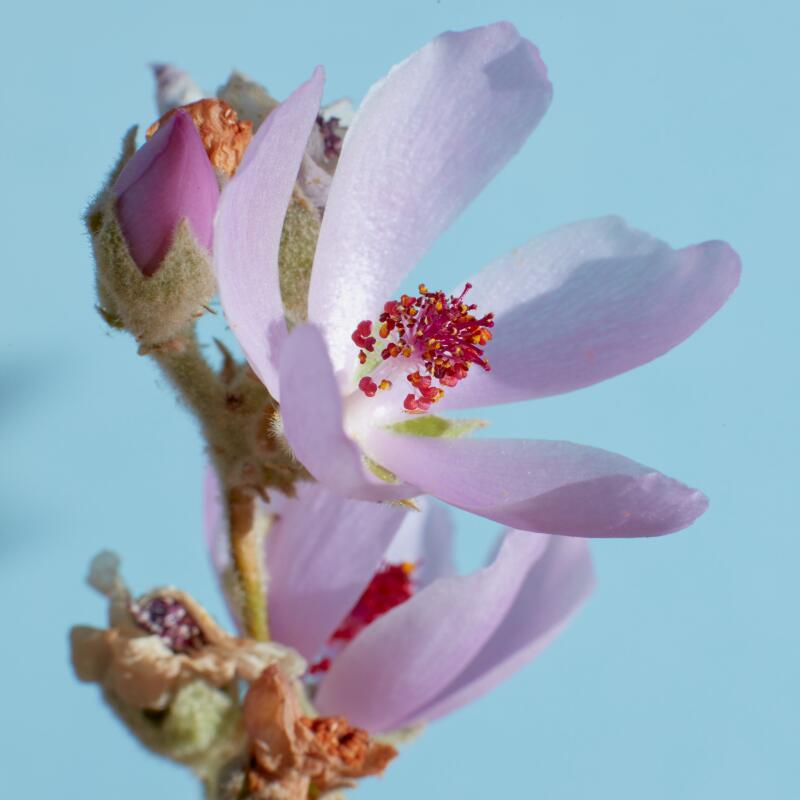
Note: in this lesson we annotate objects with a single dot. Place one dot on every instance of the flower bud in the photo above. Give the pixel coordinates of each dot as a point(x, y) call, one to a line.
point(174, 87)
point(167, 180)
point(249, 100)
point(151, 228)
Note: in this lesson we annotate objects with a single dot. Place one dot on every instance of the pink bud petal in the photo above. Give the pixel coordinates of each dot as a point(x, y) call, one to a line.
point(168, 179)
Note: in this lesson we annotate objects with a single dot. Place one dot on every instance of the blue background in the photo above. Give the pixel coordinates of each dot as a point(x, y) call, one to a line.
point(680, 677)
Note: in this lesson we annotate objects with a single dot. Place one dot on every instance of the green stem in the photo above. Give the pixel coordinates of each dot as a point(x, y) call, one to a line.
point(246, 549)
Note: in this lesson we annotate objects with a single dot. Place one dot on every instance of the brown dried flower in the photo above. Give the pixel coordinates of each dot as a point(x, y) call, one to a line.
point(295, 756)
point(225, 137)
point(161, 642)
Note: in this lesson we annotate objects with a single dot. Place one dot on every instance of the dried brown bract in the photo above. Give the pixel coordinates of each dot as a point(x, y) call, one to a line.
point(225, 137)
point(295, 756)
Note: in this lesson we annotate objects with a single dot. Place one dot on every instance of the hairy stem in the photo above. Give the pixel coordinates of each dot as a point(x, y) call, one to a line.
point(204, 392)
point(189, 372)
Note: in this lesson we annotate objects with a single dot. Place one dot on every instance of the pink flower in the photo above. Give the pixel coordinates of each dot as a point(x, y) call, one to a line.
point(453, 640)
point(168, 179)
point(578, 305)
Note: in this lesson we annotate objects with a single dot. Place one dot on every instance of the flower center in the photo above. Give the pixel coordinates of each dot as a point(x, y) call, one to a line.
point(171, 621)
point(391, 586)
point(440, 334)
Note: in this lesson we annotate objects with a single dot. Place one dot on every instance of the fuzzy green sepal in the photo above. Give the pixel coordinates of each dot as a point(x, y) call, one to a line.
point(296, 257)
point(155, 309)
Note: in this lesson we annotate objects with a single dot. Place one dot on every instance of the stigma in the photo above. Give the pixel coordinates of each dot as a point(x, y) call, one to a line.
point(440, 335)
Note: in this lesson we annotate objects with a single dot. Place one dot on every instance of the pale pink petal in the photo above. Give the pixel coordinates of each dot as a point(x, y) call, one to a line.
point(425, 539)
point(425, 141)
point(311, 410)
point(586, 302)
point(554, 588)
point(322, 552)
point(545, 486)
point(405, 658)
point(249, 224)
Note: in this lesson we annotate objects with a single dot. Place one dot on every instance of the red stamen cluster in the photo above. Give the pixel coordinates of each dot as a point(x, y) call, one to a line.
point(333, 141)
point(441, 331)
point(391, 586)
point(171, 621)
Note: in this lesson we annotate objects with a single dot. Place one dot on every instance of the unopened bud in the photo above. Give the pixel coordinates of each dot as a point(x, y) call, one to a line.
point(250, 100)
point(167, 180)
point(151, 229)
